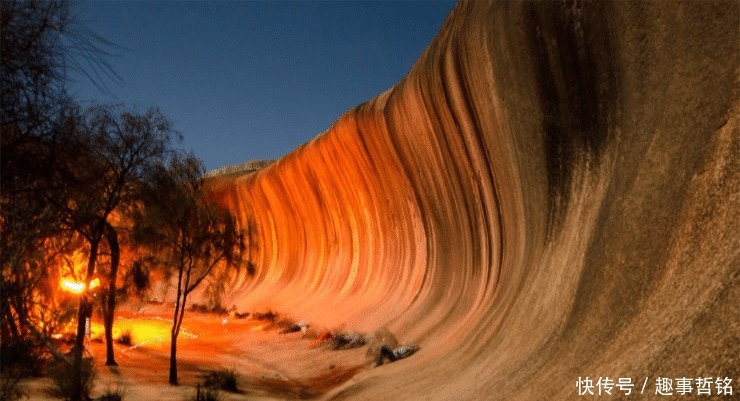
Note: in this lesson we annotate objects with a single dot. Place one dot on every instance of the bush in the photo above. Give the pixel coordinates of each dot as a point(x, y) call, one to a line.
point(61, 374)
point(222, 380)
point(206, 394)
point(24, 355)
point(10, 388)
point(269, 315)
point(112, 395)
point(199, 308)
point(215, 310)
point(125, 338)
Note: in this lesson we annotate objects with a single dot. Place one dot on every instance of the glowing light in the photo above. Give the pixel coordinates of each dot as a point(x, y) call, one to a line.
point(78, 287)
point(73, 286)
point(75, 266)
point(95, 283)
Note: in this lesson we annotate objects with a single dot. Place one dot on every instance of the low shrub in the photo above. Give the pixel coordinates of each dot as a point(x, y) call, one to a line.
point(25, 356)
point(10, 387)
point(19, 358)
point(223, 380)
point(206, 394)
point(199, 308)
point(269, 315)
point(112, 395)
point(216, 310)
point(61, 374)
point(125, 338)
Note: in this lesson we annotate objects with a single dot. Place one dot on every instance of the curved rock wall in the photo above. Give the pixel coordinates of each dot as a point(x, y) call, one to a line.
point(551, 192)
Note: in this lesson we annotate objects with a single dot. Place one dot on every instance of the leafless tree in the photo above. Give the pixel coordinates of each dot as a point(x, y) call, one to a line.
point(187, 234)
point(40, 41)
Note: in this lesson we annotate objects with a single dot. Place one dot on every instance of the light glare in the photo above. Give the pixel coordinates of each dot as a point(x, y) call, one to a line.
point(73, 286)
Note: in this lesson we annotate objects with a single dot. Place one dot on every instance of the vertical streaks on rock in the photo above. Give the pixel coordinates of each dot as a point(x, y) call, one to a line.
point(547, 194)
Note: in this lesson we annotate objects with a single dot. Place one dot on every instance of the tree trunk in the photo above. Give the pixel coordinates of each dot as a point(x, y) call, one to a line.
point(173, 359)
point(177, 324)
point(9, 328)
point(175, 331)
point(79, 344)
point(110, 305)
point(51, 347)
point(21, 310)
point(82, 314)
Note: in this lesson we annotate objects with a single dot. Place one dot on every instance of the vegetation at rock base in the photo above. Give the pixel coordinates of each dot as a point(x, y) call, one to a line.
point(226, 380)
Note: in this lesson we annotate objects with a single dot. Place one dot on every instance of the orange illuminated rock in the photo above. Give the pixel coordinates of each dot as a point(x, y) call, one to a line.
point(550, 193)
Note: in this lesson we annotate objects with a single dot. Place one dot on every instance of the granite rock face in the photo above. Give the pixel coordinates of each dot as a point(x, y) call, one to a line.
point(550, 193)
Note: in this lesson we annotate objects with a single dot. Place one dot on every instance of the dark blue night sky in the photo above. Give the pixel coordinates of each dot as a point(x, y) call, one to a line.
point(254, 80)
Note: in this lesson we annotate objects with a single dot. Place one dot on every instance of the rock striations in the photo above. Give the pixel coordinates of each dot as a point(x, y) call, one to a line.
point(550, 193)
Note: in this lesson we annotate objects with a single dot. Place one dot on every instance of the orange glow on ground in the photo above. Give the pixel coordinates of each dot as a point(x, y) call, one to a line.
point(278, 366)
point(147, 331)
point(144, 331)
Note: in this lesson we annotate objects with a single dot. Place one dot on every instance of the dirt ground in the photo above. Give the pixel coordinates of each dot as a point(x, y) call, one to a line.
point(269, 365)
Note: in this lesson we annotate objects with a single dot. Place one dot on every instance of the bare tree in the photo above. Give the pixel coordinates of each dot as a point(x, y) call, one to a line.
point(115, 149)
point(64, 172)
point(29, 76)
point(188, 234)
point(39, 42)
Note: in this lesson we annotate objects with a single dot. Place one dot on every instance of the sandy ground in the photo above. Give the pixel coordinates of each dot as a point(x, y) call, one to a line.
point(270, 366)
